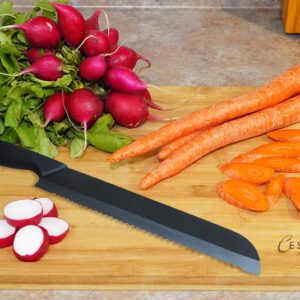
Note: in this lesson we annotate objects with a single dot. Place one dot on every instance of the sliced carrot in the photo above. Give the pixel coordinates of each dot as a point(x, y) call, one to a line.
point(242, 194)
point(279, 89)
point(278, 116)
point(249, 172)
point(287, 135)
point(172, 146)
point(280, 164)
point(292, 190)
point(275, 149)
point(274, 188)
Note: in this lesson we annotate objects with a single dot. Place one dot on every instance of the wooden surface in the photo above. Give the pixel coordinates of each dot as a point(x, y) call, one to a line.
point(291, 15)
point(101, 253)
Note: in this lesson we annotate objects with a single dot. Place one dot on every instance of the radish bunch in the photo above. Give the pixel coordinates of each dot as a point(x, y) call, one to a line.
point(63, 73)
point(30, 226)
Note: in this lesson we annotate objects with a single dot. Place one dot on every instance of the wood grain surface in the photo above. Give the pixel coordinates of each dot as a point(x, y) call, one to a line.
point(101, 253)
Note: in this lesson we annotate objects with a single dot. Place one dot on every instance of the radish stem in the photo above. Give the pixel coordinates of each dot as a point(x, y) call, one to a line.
point(7, 15)
point(28, 70)
point(8, 27)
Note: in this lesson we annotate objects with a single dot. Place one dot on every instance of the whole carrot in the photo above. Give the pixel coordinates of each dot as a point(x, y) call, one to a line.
point(172, 146)
point(278, 116)
point(279, 89)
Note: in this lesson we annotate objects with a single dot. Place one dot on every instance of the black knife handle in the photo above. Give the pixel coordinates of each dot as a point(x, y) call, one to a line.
point(13, 156)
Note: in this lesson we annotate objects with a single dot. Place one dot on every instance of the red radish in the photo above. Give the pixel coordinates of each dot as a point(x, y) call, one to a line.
point(148, 100)
point(129, 110)
point(54, 108)
point(34, 54)
point(93, 68)
point(7, 234)
point(31, 243)
point(49, 208)
point(71, 23)
point(85, 107)
point(40, 32)
point(113, 36)
point(20, 213)
point(57, 229)
point(92, 22)
point(98, 43)
point(124, 80)
point(125, 57)
point(47, 67)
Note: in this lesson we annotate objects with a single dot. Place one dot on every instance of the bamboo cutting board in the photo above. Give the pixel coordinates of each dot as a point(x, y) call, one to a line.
point(100, 253)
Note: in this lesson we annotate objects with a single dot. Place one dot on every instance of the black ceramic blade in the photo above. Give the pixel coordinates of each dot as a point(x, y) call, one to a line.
point(155, 217)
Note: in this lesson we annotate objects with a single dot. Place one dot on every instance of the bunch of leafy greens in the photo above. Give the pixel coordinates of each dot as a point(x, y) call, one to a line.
point(22, 98)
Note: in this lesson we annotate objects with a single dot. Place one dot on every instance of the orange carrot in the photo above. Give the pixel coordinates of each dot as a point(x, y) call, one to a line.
point(279, 89)
point(274, 188)
point(292, 190)
point(280, 164)
point(172, 146)
point(275, 149)
point(288, 135)
point(242, 194)
point(278, 116)
point(249, 172)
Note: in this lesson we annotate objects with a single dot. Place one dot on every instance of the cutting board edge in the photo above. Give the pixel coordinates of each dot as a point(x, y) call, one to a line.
point(263, 288)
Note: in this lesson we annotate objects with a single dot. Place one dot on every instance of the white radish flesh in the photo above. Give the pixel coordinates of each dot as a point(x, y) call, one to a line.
point(56, 228)
point(20, 213)
point(31, 243)
point(49, 208)
point(7, 234)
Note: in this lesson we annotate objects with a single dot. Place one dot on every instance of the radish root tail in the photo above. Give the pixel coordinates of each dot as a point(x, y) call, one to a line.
point(68, 116)
point(116, 50)
point(107, 21)
point(146, 60)
point(82, 43)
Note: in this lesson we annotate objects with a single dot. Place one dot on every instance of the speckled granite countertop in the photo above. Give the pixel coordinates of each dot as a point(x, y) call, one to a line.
point(194, 42)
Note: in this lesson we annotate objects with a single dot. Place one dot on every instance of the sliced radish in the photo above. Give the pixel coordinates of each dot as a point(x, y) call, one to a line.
point(31, 243)
point(49, 208)
point(56, 228)
point(7, 234)
point(20, 213)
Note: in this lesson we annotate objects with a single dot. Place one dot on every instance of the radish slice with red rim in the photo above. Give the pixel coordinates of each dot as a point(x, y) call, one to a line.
point(7, 233)
point(49, 208)
point(56, 228)
point(20, 213)
point(31, 243)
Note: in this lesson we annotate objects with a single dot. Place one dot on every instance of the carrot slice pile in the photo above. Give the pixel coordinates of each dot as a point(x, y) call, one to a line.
point(274, 188)
point(242, 194)
point(280, 164)
point(249, 172)
point(288, 135)
point(292, 190)
point(275, 149)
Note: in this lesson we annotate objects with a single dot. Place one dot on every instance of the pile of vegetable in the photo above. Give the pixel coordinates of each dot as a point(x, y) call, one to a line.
point(257, 167)
point(185, 141)
point(30, 226)
point(64, 81)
